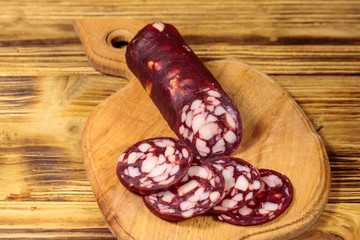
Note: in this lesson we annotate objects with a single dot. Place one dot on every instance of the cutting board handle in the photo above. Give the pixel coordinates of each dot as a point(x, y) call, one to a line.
point(105, 42)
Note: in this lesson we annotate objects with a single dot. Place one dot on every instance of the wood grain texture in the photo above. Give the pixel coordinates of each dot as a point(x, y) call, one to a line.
point(304, 37)
point(310, 47)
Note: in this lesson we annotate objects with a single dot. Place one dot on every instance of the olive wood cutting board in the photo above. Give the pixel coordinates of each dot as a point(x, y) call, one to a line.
point(277, 135)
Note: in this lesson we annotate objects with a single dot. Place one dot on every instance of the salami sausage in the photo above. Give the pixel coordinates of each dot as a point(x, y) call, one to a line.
point(154, 164)
point(188, 96)
point(199, 191)
point(273, 199)
point(242, 182)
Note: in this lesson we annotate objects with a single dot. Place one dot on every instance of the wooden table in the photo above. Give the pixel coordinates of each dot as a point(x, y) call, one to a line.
point(48, 89)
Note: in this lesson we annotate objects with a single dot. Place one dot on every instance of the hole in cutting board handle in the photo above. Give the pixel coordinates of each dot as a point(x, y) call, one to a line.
point(119, 44)
point(119, 38)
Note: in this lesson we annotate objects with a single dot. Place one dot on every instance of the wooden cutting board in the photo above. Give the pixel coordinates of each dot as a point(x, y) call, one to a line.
point(277, 135)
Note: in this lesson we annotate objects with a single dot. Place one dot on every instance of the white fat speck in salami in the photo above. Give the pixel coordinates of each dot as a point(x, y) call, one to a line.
point(174, 170)
point(133, 157)
point(132, 172)
point(210, 108)
point(214, 93)
point(185, 153)
point(215, 196)
point(144, 147)
point(272, 180)
point(208, 130)
point(219, 110)
point(121, 158)
point(230, 136)
point(167, 196)
point(241, 182)
point(192, 197)
point(149, 163)
point(244, 211)
point(159, 26)
point(198, 171)
point(198, 122)
point(169, 151)
point(187, 187)
point(195, 104)
point(274, 197)
point(154, 165)
point(219, 146)
point(211, 118)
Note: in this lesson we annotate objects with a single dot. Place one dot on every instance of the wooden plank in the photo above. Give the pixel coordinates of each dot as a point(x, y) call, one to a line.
point(51, 220)
point(51, 58)
point(296, 37)
point(73, 220)
point(267, 18)
point(332, 103)
point(42, 120)
point(336, 222)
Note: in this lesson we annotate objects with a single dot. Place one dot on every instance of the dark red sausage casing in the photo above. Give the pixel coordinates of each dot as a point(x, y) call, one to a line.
point(154, 164)
point(188, 96)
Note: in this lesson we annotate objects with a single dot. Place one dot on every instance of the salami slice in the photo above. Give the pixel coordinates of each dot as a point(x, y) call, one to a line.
point(188, 96)
point(199, 191)
point(273, 199)
point(242, 182)
point(154, 164)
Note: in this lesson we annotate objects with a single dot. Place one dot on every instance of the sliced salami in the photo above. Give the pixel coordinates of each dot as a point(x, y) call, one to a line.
point(273, 199)
point(154, 165)
point(199, 191)
point(242, 182)
point(188, 96)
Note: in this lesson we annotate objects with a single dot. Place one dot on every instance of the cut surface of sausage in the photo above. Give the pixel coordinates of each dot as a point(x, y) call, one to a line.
point(199, 191)
point(242, 182)
point(187, 95)
point(209, 124)
point(274, 197)
point(154, 164)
